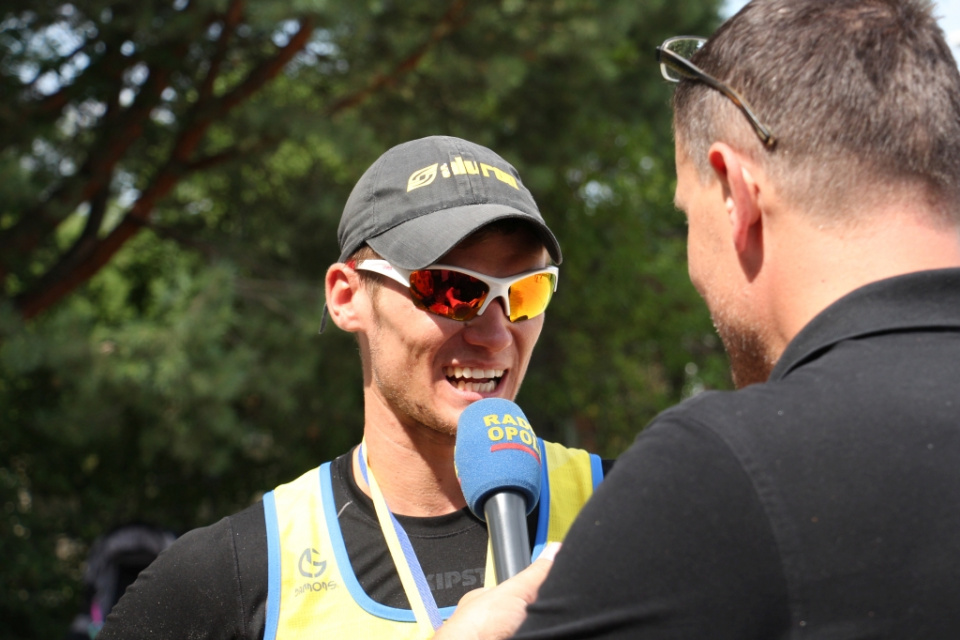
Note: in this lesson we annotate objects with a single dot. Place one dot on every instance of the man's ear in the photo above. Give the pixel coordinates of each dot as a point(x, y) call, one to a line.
point(345, 301)
point(741, 194)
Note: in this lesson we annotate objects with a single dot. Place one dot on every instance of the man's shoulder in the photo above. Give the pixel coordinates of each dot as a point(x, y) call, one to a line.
point(758, 422)
point(241, 531)
point(724, 409)
point(192, 589)
point(877, 396)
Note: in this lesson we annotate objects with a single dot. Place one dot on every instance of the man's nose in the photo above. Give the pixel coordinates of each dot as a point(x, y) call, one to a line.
point(491, 329)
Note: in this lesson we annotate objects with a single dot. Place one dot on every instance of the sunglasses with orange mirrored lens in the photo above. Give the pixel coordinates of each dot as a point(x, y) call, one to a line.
point(462, 294)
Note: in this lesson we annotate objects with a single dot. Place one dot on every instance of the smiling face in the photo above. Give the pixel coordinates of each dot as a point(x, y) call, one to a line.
point(425, 369)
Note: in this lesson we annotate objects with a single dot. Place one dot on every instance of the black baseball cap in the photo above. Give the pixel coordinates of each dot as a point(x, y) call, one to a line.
point(422, 198)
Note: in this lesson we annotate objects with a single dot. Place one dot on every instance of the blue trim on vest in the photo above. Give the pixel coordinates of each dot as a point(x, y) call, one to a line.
point(346, 569)
point(543, 518)
point(596, 469)
point(273, 567)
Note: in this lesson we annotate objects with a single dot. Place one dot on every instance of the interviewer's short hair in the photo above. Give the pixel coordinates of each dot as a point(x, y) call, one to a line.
point(857, 92)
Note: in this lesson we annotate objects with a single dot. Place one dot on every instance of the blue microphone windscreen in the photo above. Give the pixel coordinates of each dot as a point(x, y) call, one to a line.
point(496, 450)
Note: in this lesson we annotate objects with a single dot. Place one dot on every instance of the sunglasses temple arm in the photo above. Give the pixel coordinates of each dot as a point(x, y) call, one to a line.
point(765, 136)
point(695, 72)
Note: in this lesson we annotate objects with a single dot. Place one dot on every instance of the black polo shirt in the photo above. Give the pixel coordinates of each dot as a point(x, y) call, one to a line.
point(824, 503)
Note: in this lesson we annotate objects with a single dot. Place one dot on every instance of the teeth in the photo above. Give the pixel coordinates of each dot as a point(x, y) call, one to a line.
point(466, 373)
point(477, 387)
point(462, 378)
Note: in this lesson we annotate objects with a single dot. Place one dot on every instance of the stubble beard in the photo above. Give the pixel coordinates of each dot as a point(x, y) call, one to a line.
point(408, 411)
point(747, 349)
point(393, 388)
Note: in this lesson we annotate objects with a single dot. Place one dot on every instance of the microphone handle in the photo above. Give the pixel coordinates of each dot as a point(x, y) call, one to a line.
point(506, 514)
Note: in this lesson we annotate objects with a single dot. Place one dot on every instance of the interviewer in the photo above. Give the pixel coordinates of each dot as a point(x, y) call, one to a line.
point(818, 164)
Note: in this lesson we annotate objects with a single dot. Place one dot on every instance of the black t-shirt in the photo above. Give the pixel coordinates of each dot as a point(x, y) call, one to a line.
point(822, 504)
point(451, 548)
point(212, 583)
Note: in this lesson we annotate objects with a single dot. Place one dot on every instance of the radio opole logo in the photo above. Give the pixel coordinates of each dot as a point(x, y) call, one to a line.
point(507, 432)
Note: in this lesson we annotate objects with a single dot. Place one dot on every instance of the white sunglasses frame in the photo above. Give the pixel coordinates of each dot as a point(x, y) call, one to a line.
point(499, 287)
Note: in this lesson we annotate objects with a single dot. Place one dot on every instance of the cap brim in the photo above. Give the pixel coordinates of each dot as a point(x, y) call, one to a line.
point(422, 241)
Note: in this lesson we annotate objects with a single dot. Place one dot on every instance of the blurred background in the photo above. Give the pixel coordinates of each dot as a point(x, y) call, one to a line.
point(171, 178)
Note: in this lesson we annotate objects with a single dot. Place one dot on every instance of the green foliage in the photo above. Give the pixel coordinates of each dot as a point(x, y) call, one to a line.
point(187, 375)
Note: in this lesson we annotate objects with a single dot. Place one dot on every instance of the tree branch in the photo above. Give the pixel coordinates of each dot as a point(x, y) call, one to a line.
point(216, 159)
point(64, 278)
point(84, 244)
point(451, 20)
point(266, 70)
point(230, 21)
point(47, 110)
point(117, 135)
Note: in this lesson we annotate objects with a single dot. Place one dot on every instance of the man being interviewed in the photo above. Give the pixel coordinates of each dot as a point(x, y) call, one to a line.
point(444, 277)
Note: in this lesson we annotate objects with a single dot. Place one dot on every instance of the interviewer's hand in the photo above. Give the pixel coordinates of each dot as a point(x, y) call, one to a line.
point(495, 614)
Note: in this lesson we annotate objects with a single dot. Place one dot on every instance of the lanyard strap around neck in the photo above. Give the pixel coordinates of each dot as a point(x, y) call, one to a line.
point(414, 582)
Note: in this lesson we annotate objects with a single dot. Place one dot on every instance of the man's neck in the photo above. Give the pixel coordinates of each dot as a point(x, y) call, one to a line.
point(413, 468)
point(817, 266)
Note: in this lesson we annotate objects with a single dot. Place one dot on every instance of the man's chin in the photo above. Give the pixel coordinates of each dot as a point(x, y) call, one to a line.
point(747, 351)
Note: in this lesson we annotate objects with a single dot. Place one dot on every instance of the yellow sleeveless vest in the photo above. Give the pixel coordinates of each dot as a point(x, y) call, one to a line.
point(312, 591)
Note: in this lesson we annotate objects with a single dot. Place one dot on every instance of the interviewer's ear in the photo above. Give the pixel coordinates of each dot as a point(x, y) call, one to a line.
point(741, 194)
point(346, 303)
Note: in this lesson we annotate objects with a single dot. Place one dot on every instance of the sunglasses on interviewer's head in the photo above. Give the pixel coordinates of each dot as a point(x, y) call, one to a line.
point(674, 58)
point(462, 294)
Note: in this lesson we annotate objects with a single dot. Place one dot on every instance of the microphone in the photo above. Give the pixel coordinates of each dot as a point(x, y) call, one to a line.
point(498, 461)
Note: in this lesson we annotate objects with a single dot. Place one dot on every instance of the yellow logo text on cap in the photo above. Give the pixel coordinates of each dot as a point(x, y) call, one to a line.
point(458, 167)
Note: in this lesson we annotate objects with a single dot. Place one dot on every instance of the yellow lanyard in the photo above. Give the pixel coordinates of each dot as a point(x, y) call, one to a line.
point(414, 582)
